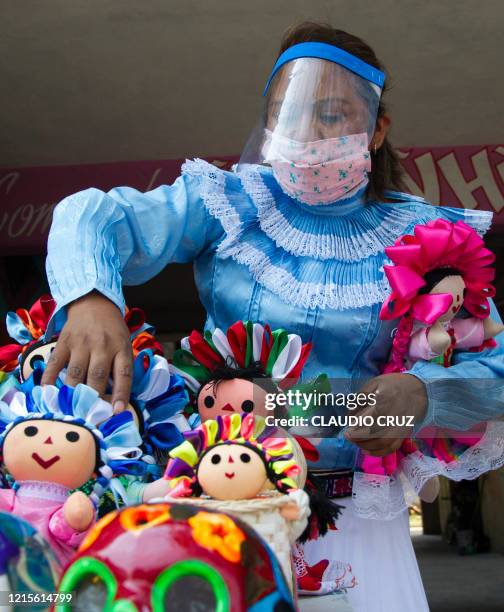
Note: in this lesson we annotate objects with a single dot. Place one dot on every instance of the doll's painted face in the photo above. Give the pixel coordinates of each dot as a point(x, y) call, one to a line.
point(232, 471)
point(228, 396)
point(454, 286)
point(37, 352)
point(50, 451)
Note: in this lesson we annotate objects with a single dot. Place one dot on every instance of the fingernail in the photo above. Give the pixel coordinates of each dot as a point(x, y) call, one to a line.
point(119, 406)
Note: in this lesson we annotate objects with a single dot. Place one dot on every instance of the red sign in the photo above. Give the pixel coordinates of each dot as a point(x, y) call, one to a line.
point(470, 177)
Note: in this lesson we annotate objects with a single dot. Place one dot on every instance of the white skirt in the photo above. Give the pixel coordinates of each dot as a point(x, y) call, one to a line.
point(370, 560)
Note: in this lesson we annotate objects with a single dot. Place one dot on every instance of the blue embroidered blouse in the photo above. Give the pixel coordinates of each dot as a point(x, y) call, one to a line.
point(260, 255)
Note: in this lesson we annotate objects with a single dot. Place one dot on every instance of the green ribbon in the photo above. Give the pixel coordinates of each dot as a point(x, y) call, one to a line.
point(280, 339)
point(185, 361)
point(320, 384)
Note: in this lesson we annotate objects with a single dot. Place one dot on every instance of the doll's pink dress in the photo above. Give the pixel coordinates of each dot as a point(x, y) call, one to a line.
point(466, 334)
point(41, 505)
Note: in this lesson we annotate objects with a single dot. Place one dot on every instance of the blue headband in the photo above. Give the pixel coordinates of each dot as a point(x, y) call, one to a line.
point(332, 54)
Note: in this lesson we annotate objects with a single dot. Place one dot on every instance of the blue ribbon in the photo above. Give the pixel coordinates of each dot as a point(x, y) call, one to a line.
point(332, 54)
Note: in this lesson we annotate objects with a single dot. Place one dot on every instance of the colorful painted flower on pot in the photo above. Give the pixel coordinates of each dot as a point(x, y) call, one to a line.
point(178, 558)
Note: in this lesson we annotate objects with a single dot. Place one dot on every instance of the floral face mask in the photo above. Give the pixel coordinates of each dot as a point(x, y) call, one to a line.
point(319, 172)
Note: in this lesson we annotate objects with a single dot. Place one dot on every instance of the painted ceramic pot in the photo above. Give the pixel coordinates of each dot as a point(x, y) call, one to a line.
point(157, 557)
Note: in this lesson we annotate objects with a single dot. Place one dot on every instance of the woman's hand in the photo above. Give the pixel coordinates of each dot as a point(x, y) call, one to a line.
point(93, 344)
point(397, 395)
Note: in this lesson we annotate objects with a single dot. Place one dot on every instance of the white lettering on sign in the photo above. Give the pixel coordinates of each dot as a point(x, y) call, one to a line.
point(484, 178)
point(153, 180)
point(9, 180)
point(429, 189)
point(25, 219)
point(500, 167)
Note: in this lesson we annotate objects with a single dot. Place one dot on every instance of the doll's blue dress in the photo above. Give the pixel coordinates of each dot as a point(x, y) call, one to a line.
point(315, 270)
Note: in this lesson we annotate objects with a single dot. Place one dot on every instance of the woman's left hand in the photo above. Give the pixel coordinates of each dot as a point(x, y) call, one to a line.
point(397, 395)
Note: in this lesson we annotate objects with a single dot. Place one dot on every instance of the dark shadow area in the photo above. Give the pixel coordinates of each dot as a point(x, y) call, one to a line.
point(457, 583)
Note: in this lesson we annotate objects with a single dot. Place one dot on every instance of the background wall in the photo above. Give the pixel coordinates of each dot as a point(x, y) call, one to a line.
point(107, 80)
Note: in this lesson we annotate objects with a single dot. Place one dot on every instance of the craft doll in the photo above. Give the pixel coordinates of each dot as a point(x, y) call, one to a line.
point(53, 442)
point(241, 371)
point(439, 274)
point(32, 346)
point(157, 396)
point(231, 461)
point(233, 371)
point(441, 280)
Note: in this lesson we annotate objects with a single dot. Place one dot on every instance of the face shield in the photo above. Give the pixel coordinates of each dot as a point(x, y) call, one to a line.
point(321, 105)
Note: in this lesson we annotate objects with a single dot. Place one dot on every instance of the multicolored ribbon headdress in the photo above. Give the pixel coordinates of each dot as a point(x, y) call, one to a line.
point(28, 327)
point(246, 429)
point(280, 354)
point(438, 244)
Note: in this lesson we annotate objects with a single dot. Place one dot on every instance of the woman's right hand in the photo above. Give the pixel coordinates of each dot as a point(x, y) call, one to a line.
point(94, 344)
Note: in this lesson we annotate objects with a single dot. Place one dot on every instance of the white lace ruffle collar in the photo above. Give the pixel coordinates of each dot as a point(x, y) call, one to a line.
point(311, 258)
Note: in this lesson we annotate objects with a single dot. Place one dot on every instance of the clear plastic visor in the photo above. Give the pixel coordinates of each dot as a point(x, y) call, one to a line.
point(311, 100)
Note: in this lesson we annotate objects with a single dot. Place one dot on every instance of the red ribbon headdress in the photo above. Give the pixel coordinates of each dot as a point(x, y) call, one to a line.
point(29, 327)
point(280, 354)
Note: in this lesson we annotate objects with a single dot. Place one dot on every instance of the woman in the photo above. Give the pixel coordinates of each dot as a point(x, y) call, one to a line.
point(296, 238)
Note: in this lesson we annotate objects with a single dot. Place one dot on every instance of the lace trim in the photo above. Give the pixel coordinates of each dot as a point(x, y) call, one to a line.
point(379, 497)
point(213, 182)
point(278, 280)
point(305, 294)
point(486, 455)
point(479, 220)
point(384, 497)
point(321, 245)
point(265, 218)
point(42, 490)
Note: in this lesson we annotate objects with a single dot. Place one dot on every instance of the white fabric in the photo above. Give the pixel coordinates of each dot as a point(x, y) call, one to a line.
point(50, 397)
point(100, 412)
point(288, 357)
point(301, 499)
point(383, 497)
point(378, 555)
point(221, 343)
point(191, 382)
point(179, 421)
point(184, 344)
point(159, 379)
point(257, 338)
